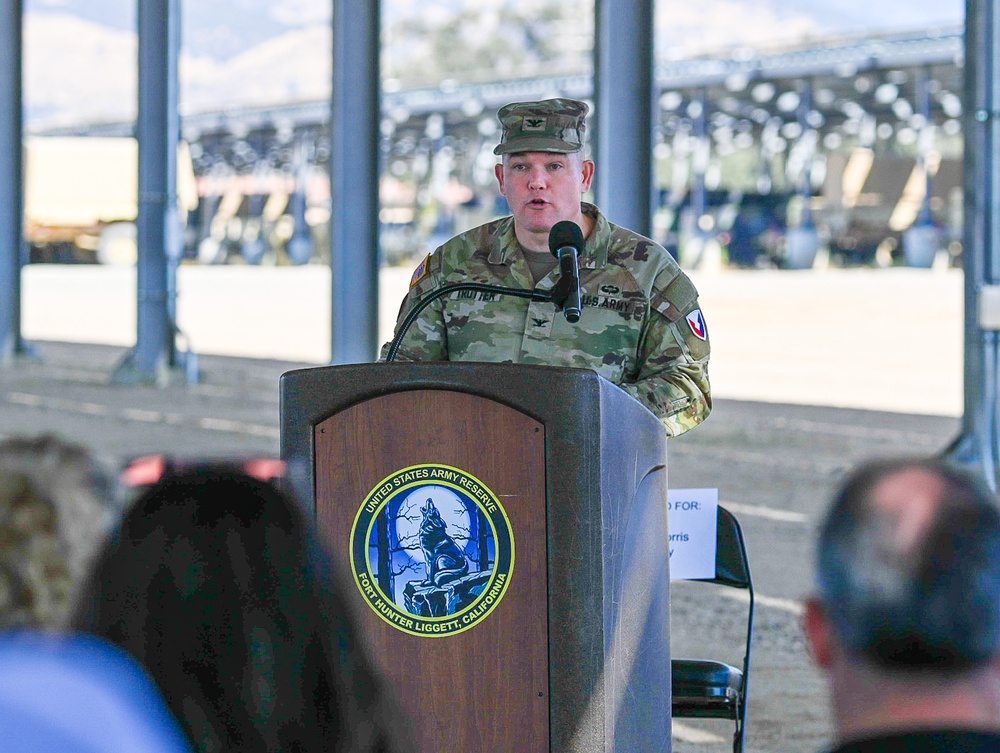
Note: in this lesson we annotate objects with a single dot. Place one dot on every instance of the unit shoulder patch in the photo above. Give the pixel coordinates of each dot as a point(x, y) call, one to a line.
point(697, 324)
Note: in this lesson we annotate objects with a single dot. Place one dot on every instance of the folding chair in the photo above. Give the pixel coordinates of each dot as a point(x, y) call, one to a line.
point(703, 688)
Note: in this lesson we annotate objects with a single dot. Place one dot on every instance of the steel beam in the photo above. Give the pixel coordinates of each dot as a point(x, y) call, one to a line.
point(157, 131)
point(11, 179)
point(977, 444)
point(624, 112)
point(354, 171)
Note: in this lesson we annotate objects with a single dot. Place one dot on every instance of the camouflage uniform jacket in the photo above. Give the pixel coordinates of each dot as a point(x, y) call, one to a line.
point(641, 327)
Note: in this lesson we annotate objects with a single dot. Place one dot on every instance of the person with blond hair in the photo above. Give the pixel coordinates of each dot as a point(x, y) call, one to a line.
point(55, 504)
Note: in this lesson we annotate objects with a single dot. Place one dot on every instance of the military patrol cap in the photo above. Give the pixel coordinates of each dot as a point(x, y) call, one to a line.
point(552, 125)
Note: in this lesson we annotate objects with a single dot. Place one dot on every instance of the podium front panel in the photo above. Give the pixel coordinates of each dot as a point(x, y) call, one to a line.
point(579, 468)
point(474, 674)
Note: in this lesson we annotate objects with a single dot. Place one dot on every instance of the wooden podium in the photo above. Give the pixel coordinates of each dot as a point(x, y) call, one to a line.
point(506, 528)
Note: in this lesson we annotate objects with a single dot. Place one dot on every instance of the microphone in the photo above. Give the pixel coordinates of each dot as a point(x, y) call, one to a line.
point(565, 243)
point(482, 287)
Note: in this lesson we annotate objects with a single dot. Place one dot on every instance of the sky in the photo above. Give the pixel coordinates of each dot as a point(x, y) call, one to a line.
point(222, 29)
point(79, 54)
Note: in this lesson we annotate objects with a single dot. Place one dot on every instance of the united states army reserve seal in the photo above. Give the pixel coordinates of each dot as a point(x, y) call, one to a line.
point(432, 550)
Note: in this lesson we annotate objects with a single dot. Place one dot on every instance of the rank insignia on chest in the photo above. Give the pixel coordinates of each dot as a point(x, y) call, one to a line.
point(697, 323)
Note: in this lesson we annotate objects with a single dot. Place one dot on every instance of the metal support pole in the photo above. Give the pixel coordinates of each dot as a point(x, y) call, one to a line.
point(157, 131)
point(802, 240)
point(11, 179)
point(158, 225)
point(300, 246)
point(976, 445)
point(698, 247)
point(624, 112)
point(805, 177)
point(354, 173)
point(922, 240)
point(925, 143)
point(698, 110)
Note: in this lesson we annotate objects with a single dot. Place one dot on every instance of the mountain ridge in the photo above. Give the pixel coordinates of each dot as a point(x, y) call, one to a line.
point(80, 56)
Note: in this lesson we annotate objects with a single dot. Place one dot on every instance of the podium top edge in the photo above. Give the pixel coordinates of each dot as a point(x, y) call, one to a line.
point(446, 371)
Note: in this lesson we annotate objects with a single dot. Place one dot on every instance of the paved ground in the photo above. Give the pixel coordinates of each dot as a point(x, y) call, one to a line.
point(776, 466)
point(882, 339)
point(814, 372)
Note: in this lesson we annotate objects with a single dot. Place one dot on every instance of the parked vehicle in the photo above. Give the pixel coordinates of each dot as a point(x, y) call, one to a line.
point(81, 197)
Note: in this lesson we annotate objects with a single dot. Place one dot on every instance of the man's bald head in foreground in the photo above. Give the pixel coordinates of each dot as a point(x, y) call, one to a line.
point(905, 620)
point(909, 566)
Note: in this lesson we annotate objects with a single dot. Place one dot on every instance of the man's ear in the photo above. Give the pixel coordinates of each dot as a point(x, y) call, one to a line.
point(587, 170)
point(498, 171)
point(819, 632)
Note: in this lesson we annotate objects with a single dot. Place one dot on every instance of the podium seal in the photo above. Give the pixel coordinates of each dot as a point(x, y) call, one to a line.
point(432, 550)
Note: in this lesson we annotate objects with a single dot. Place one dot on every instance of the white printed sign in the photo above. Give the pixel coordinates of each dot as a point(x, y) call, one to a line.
point(692, 518)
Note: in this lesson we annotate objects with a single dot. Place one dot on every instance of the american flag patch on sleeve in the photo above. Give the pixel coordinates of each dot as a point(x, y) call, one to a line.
point(420, 272)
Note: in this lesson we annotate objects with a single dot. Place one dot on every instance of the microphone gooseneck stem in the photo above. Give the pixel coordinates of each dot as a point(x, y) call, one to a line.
point(482, 287)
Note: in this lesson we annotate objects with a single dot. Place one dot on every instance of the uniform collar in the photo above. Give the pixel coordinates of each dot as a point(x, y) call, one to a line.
point(595, 250)
point(503, 240)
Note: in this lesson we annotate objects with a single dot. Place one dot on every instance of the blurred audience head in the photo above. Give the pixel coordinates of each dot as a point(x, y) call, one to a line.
point(55, 504)
point(216, 582)
point(907, 603)
point(80, 694)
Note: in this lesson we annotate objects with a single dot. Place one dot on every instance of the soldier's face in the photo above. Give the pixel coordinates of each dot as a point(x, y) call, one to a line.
point(543, 188)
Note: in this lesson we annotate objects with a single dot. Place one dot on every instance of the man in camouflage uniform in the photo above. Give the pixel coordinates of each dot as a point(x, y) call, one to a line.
point(640, 328)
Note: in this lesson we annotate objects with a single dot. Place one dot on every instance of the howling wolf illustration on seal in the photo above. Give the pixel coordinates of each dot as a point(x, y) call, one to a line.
point(444, 559)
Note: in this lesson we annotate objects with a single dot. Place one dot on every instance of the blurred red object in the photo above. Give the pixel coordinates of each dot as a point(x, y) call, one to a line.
point(148, 469)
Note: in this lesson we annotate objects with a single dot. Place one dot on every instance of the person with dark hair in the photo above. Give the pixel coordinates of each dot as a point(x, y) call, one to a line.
point(905, 621)
point(216, 582)
point(55, 505)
